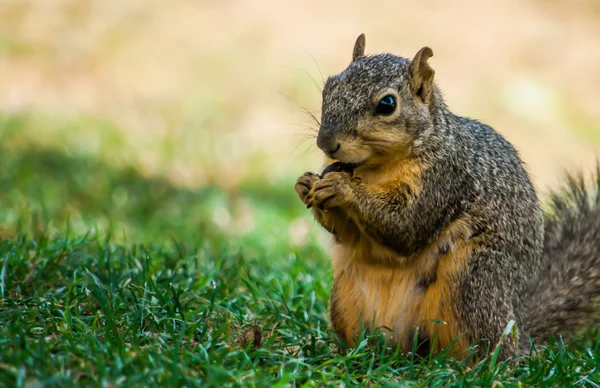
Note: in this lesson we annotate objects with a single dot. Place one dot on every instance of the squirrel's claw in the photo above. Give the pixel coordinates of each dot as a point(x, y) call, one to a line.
point(304, 185)
point(331, 191)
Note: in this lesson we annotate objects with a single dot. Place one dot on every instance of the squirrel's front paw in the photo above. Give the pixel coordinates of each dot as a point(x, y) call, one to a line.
point(333, 190)
point(304, 185)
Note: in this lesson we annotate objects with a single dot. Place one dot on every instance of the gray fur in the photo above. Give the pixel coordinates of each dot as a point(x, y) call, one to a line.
point(564, 298)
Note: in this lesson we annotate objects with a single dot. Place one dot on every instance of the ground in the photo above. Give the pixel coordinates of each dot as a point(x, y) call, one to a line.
point(149, 231)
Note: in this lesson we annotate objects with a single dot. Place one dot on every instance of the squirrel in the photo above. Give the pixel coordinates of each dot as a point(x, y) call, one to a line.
point(438, 233)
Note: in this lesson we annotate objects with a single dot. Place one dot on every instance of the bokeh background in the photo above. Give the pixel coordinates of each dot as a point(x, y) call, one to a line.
point(191, 118)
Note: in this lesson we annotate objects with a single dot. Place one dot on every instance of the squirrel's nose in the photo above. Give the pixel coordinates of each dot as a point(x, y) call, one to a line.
point(328, 144)
point(332, 148)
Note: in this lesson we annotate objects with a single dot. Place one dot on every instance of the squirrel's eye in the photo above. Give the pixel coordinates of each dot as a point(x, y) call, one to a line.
point(386, 106)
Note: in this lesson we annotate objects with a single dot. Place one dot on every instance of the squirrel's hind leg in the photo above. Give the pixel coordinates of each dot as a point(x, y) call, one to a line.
point(487, 302)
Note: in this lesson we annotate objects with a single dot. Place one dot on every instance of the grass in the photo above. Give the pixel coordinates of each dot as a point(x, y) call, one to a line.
point(151, 246)
point(110, 277)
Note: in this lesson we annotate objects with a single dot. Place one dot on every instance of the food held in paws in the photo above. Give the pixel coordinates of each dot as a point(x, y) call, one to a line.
point(338, 167)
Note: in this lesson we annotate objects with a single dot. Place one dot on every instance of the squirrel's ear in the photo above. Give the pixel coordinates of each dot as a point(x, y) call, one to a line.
point(359, 47)
point(422, 74)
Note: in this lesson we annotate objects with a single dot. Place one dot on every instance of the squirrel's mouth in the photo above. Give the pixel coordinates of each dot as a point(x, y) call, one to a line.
point(340, 167)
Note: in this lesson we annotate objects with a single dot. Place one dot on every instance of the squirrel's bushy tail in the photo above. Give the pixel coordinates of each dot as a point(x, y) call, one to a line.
point(566, 296)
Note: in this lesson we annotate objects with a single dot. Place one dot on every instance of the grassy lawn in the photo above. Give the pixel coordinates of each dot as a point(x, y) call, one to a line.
point(110, 276)
point(149, 231)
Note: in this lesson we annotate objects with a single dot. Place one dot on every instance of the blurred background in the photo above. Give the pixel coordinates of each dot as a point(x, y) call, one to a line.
point(190, 119)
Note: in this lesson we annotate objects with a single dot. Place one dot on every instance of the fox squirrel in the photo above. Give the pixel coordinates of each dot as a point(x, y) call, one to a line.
point(439, 235)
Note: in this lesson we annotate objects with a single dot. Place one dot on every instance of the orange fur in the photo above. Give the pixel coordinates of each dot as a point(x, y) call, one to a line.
point(438, 302)
point(389, 296)
point(399, 170)
point(338, 223)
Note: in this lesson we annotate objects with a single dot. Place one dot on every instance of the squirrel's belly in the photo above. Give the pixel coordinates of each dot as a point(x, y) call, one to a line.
point(376, 295)
point(395, 297)
point(391, 300)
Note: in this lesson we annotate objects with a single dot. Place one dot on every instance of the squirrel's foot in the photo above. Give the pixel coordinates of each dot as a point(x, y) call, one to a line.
point(334, 190)
point(304, 185)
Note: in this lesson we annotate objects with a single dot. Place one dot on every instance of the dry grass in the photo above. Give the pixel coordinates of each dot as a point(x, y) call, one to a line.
point(213, 91)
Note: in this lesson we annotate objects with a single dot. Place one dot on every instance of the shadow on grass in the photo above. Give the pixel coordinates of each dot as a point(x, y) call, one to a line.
point(75, 308)
point(41, 187)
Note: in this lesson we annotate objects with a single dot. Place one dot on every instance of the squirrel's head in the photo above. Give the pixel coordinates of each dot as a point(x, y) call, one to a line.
point(377, 106)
